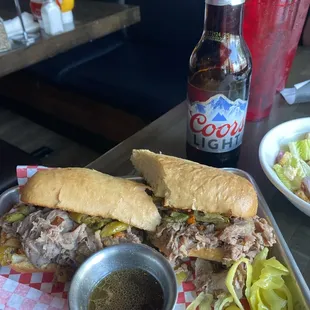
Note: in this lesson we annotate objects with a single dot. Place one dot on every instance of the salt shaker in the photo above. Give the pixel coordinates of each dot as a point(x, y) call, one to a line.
point(5, 43)
point(51, 17)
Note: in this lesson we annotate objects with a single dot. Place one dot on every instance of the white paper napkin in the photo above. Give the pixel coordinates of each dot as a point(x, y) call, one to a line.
point(14, 28)
point(298, 94)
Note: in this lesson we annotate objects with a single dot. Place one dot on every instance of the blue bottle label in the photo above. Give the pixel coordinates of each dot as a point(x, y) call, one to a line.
point(216, 125)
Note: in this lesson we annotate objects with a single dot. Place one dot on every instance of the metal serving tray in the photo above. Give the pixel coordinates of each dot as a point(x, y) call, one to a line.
point(295, 282)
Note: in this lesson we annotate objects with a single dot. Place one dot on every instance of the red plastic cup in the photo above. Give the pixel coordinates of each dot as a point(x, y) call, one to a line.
point(292, 45)
point(272, 30)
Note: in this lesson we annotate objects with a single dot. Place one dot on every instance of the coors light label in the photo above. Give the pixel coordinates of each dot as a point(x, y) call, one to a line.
point(216, 125)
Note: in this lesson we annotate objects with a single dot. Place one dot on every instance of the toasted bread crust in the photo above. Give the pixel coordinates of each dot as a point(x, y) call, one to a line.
point(91, 192)
point(26, 266)
point(188, 185)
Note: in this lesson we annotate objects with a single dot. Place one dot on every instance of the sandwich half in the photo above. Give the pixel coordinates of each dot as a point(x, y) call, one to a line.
point(206, 212)
point(67, 214)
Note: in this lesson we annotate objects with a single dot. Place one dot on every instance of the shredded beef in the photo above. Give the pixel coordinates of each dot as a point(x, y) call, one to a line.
point(46, 243)
point(50, 236)
point(242, 238)
point(210, 278)
point(207, 280)
point(175, 240)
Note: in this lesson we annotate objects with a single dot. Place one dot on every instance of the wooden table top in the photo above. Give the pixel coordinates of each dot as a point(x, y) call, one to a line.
point(93, 19)
point(168, 134)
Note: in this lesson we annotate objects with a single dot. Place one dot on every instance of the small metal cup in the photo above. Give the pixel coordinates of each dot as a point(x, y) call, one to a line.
point(118, 257)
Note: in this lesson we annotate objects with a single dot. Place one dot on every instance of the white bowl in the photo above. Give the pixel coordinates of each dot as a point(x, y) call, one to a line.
point(275, 140)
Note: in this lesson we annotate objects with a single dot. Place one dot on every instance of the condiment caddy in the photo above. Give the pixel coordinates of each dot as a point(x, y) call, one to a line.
point(54, 16)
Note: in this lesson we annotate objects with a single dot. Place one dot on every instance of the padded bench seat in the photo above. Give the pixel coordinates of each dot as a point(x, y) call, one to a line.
point(144, 80)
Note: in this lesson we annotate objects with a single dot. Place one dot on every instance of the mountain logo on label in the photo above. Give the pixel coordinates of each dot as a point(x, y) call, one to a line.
point(219, 118)
point(221, 103)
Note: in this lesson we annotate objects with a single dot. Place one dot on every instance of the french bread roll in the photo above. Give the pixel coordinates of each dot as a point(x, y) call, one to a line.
point(93, 193)
point(188, 185)
point(20, 263)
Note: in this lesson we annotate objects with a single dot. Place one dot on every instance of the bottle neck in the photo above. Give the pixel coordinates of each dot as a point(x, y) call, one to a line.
point(224, 19)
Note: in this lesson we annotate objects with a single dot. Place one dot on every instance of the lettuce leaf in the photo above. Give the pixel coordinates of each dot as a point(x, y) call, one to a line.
point(300, 149)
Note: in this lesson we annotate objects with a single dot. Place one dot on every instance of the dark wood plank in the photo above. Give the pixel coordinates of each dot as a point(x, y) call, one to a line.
point(93, 19)
point(95, 117)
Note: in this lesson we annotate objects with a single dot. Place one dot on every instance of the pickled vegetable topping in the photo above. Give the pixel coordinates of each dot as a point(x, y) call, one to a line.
point(223, 301)
point(203, 301)
point(176, 217)
point(93, 222)
point(6, 254)
point(18, 213)
point(181, 276)
point(265, 287)
point(13, 217)
point(113, 228)
point(268, 290)
point(191, 217)
point(211, 218)
point(230, 280)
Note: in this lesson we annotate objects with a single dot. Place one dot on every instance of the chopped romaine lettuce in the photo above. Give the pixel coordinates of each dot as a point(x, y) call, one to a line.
point(281, 175)
point(293, 167)
point(291, 171)
point(305, 167)
point(300, 149)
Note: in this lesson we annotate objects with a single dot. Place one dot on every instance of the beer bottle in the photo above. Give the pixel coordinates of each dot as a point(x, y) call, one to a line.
point(218, 86)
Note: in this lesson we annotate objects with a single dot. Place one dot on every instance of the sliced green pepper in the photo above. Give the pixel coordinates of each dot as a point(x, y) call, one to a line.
point(95, 222)
point(77, 217)
point(211, 218)
point(24, 209)
point(177, 217)
point(13, 217)
point(113, 228)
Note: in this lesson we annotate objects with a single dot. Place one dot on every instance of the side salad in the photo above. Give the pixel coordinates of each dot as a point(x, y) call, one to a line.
point(293, 167)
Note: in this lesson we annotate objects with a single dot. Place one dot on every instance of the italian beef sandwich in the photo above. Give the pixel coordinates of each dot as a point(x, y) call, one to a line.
point(67, 214)
point(206, 212)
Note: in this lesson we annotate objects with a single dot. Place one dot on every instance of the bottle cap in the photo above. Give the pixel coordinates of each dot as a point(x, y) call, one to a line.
point(224, 2)
point(67, 17)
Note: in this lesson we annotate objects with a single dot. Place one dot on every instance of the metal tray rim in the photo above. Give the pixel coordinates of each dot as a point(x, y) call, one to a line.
point(288, 257)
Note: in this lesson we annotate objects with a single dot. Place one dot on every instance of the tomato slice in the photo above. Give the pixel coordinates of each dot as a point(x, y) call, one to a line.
point(57, 221)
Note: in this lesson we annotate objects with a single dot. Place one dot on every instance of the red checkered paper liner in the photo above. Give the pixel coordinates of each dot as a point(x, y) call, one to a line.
point(15, 295)
point(43, 282)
